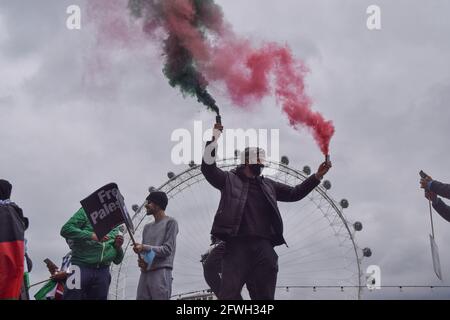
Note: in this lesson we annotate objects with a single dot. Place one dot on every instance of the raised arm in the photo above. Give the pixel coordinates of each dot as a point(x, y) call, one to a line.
point(214, 175)
point(287, 193)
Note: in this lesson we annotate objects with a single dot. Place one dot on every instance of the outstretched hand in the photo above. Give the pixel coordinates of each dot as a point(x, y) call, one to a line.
point(323, 169)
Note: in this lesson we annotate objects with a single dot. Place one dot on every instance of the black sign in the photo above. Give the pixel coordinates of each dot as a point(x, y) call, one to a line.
point(106, 210)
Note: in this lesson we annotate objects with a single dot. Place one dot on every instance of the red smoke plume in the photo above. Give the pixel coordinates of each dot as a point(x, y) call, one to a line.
point(216, 53)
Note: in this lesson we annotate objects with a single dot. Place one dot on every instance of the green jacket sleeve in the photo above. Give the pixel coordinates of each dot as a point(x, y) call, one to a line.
point(73, 228)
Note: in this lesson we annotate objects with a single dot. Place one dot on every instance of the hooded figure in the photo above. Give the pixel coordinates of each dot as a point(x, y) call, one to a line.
point(12, 248)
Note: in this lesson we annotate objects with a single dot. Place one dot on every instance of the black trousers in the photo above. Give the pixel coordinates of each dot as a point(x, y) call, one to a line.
point(250, 261)
point(212, 268)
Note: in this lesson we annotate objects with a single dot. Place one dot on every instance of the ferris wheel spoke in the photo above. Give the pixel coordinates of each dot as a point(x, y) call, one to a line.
point(308, 259)
point(318, 251)
point(293, 212)
point(309, 235)
point(194, 225)
point(310, 245)
point(302, 263)
point(303, 221)
point(191, 229)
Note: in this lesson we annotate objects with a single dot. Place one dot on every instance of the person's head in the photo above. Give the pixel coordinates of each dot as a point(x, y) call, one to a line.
point(253, 160)
point(5, 190)
point(156, 202)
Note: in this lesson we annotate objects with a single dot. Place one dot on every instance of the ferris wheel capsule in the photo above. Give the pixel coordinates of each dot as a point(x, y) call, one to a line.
point(344, 203)
point(358, 226)
point(170, 175)
point(327, 185)
point(307, 170)
point(367, 252)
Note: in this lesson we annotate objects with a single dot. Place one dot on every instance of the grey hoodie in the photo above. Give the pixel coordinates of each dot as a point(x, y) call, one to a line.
point(161, 238)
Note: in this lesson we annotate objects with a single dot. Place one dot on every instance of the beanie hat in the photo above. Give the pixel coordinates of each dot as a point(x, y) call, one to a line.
point(159, 198)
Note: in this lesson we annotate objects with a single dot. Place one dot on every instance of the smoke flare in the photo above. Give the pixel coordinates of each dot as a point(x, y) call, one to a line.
point(200, 46)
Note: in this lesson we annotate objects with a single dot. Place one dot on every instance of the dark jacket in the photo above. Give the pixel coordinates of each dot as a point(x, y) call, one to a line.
point(442, 190)
point(234, 187)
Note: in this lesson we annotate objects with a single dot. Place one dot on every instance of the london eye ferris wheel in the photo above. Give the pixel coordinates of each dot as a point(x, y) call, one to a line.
point(322, 251)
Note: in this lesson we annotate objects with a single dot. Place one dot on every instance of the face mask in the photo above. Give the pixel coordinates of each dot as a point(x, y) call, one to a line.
point(256, 169)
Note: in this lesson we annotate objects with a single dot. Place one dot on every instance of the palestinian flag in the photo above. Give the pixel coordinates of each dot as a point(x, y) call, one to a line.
point(52, 290)
point(12, 251)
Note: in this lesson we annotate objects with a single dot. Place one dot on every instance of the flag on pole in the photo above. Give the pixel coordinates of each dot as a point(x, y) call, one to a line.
point(126, 215)
point(12, 251)
point(106, 210)
point(47, 292)
point(435, 256)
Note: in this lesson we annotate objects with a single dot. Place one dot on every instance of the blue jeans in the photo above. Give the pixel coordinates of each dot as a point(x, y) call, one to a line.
point(94, 285)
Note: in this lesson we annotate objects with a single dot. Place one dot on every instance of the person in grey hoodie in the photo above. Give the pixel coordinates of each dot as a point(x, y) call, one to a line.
point(433, 189)
point(158, 243)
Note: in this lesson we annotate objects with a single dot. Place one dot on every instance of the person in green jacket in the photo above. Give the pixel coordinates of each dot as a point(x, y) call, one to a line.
point(92, 257)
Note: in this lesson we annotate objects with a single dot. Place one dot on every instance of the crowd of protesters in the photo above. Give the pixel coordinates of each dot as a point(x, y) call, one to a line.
point(245, 231)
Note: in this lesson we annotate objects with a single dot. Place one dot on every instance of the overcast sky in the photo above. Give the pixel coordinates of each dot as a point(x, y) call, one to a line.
point(76, 115)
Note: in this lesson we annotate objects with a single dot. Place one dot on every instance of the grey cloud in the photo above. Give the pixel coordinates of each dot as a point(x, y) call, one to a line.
point(67, 130)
